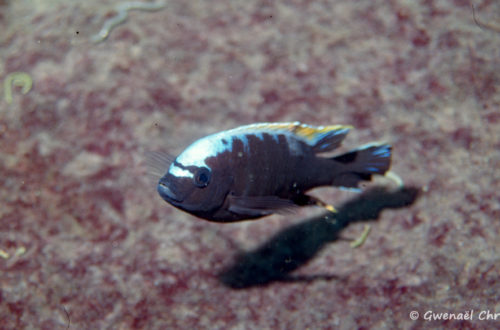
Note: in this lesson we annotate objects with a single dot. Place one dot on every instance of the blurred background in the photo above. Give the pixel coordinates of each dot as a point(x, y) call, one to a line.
point(86, 242)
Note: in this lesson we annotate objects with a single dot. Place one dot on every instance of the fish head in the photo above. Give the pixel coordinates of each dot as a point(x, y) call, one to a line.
point(195, 182)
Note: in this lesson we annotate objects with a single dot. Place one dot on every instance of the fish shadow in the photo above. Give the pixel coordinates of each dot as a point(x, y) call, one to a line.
point(294, 246)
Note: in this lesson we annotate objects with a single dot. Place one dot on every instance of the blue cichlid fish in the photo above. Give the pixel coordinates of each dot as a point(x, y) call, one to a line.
point(256, 170)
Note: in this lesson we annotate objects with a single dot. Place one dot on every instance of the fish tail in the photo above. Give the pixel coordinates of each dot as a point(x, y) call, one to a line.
point(362, 163)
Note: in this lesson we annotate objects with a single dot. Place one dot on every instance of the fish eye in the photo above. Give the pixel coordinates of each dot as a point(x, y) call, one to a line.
point(202, 177)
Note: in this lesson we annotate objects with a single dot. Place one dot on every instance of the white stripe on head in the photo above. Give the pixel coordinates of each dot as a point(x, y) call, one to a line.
point(179, 172)
point(210, 146)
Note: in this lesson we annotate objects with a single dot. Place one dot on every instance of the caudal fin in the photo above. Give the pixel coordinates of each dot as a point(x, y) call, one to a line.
point(362, 163)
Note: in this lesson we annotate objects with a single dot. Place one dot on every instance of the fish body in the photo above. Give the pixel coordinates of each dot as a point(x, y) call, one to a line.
point(259, 169)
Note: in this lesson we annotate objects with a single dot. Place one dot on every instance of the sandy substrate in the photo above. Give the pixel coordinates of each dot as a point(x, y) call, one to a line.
point(85, 241)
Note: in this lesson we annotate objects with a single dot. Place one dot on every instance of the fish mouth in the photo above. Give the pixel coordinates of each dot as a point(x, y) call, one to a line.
point(167, 194)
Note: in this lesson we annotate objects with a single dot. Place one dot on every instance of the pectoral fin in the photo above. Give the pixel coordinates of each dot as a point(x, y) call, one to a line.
point(260, 205)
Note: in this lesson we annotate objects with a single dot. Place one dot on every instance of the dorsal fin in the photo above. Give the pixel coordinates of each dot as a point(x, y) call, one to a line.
point(320, 138)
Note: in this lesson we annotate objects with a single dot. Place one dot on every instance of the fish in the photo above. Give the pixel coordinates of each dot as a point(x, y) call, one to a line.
point(256, 170)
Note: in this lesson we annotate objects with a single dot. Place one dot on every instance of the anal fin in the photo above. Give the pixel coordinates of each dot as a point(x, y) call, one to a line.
point(305, 200)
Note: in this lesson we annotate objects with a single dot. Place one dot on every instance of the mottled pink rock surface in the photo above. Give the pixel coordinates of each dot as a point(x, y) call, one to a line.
point(87, 243)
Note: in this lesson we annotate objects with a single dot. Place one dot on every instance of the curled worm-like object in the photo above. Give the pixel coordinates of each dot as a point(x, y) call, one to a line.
point(21, 79)
point(360, 240)
point(485, 26)
point(122, 14)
